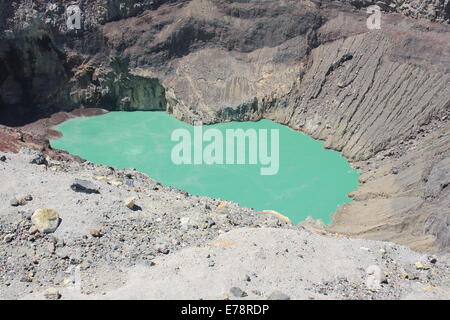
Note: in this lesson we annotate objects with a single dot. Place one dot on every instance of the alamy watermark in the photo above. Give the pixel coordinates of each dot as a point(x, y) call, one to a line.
point(211, 146)
point(73, 13)
point(373, 22)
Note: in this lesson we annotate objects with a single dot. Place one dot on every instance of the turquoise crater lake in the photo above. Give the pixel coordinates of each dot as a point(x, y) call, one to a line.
point(311, 181)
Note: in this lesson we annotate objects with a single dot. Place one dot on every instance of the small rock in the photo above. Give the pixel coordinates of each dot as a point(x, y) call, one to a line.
point(150, 263)
point(20, 202)
point(162, 248)
point(84, 186)
point(116, 183)
point(394, 171)
point(63, 253)
point(278, 295)
point(209, 223)
point(61, 243)
point(53, 240)
point(52, 294)
point(405, 275)
point(129, 182)
point(432, 259)
point(8, 238)
point(33, 230)
point(46, 220)
point(14, 202)
point(96, 233)
point(156, 186)
point(26, 279)
point(237, 292)
point(384, 279)
point(130, 203)
point(26, 215)
point(38, 159)
point(75, 261)
point(51, 247)
point(2, 158)
point(184, 221)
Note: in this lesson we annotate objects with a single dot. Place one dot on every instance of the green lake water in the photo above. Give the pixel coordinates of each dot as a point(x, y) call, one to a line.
point(311, 181)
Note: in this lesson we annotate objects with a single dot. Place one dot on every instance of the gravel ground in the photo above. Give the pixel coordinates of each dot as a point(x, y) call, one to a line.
point(167, 244)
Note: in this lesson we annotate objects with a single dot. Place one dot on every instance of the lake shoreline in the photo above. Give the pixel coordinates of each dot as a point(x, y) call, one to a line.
point(262, 165)
point(45, 127)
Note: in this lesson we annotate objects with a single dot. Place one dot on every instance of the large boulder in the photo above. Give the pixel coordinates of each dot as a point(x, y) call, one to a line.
point(46, 220)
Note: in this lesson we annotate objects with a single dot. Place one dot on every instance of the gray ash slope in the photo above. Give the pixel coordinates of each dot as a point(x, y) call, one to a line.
point(172, 245)
point(380, 96)
point(163, 220)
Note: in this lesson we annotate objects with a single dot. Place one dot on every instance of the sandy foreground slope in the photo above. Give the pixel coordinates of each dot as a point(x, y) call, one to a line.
point(172, 245)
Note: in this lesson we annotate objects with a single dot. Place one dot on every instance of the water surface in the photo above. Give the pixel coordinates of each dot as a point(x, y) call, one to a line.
point(311, 181)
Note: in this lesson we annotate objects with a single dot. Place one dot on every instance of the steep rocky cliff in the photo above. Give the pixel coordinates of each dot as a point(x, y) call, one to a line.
point(380, 96)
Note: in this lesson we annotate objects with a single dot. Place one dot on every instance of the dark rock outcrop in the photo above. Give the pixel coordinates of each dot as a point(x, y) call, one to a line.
point(84, 186)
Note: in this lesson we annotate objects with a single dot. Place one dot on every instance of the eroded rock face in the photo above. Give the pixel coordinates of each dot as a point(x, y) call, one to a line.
point(382, 97)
